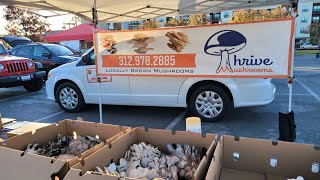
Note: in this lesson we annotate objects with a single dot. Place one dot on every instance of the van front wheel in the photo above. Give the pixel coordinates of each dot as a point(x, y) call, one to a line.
point(69, 97)
point(210, 103)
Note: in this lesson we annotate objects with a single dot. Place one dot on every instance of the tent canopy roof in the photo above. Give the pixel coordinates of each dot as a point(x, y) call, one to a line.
point(130, 10)
point(81, 32)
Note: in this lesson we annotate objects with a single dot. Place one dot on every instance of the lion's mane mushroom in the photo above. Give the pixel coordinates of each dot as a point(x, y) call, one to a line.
point(224, 43)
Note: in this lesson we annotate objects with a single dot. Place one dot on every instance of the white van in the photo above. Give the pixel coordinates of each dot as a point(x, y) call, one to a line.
point(208, 98)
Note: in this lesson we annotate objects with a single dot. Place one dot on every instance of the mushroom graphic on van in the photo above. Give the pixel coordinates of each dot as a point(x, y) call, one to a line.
point(224, 43)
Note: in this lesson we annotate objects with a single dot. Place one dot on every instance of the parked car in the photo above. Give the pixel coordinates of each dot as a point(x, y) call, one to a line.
point(17, 71)
point(70, 86)
point(308, 45)
point(49, 55)
point(14, 41)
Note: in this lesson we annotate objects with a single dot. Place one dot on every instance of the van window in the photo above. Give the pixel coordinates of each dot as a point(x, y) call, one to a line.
point(92, 58)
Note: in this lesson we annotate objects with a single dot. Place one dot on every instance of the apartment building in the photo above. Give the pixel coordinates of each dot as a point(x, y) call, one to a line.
point(309, 12)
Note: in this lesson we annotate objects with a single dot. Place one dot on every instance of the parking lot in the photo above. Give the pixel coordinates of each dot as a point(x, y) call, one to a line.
point(260, 122)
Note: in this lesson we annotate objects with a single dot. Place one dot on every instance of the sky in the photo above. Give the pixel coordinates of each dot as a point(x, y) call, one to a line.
point(56, 23)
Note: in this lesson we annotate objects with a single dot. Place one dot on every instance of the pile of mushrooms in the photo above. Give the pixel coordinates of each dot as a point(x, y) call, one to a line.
point(108, 42)
point(144, 161)
point(178, 40)
point(141, 43)
point(64, 147)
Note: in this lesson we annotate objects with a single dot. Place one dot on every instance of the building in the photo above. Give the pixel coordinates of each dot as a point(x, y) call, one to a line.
point(309, 12)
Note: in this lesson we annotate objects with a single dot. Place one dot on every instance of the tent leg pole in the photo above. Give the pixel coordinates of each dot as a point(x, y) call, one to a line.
point(291, 78)
point(100, 101)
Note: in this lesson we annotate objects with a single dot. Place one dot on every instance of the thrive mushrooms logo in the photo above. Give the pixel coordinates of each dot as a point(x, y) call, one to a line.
point(224, 43)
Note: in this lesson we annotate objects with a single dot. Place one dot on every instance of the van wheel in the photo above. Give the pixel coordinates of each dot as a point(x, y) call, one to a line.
point(69, 97)
point(210, 103)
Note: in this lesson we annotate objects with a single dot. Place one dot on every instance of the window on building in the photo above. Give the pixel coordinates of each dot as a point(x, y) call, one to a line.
point(315, 19)
point(226, 14)
point(304, 20)
point(216, 16)
point(304, 30)
point(305, 8)
point(316, 8)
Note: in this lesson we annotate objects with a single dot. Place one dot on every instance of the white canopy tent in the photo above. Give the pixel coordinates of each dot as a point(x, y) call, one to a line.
point(130, 10)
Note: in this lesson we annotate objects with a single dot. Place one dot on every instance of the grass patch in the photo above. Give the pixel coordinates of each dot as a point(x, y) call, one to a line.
point(306, 51)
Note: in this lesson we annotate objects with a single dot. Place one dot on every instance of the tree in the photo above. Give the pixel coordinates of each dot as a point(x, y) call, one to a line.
point(174, 22)
point(315, 33)
point(21, 22)
point(258, 15)
point(197, 19)
point(150, 24)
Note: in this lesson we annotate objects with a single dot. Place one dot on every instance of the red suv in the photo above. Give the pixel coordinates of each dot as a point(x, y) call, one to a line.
point(16, 71)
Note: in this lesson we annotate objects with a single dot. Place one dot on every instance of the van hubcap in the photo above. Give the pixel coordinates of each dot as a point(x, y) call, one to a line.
point(209, 104)
point(68, 98)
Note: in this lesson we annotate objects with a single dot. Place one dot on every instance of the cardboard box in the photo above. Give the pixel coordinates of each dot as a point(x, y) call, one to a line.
point(17, 165)
point(156, 137)
point(27, 128)
point(4, 121)
point(247, 158)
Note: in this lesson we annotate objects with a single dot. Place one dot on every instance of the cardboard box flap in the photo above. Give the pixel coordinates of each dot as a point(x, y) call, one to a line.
point(205, 162)
point(178, 137)
point(41, 136)
point(233, 174)
point(264, 156)
point(82, 127)
point(216, 162)
point(76, 174)
point(28, 166)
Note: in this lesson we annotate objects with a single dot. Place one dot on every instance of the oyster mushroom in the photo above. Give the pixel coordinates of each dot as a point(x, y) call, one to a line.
point(174, 172)
point(163, 162)
point(33, 148)
point(182, 163)
point(138, 172)
point(112, 168)
point(100, 170)
point(122, 165)
point(180, 153)
point(152, 174)
point(171, 160)
point(133, 165)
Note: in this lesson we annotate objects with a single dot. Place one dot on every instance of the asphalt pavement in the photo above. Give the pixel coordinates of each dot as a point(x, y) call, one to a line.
point(258, 122)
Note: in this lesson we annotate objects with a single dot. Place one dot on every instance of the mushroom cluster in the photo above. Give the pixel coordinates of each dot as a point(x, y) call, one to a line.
point(144, 161)
point(178, 40)
point(108, 42)
point(141, 43)
point(64, 147)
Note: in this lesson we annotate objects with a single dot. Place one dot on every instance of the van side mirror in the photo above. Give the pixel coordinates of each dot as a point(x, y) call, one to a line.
point(86, 59)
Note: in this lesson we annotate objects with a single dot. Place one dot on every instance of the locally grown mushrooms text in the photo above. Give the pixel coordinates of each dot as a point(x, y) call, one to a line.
point(178, 40)
point(141, 43)
point(144, 161)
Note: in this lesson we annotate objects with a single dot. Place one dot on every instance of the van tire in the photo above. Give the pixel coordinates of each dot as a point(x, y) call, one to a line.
point(72, 96)
point(215, 103)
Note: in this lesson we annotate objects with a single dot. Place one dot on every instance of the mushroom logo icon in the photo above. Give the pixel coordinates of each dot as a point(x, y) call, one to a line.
point(224, 43)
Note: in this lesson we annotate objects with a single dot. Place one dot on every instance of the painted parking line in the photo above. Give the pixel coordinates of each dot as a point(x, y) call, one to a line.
point(49, 116)
point(6, 99)
point(283, 94)
point(309, 90)
point(176, 121)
